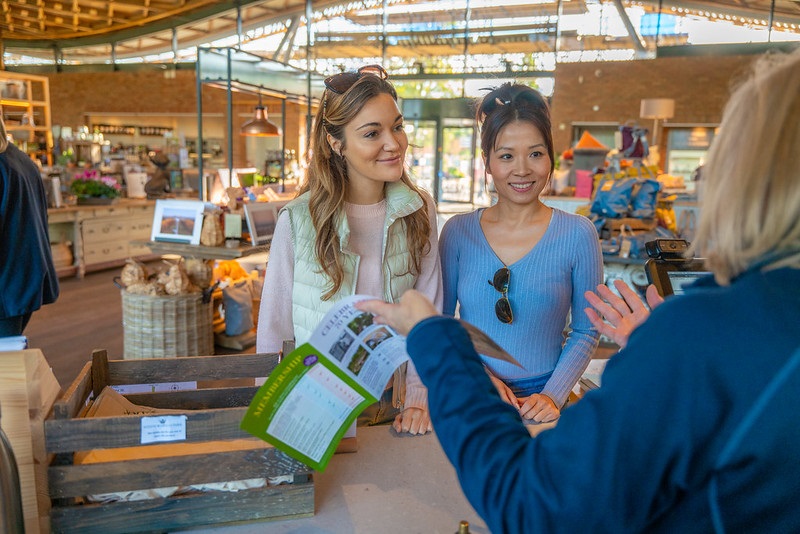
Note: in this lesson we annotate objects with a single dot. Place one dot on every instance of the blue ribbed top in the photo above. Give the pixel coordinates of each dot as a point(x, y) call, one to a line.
point(546, 284)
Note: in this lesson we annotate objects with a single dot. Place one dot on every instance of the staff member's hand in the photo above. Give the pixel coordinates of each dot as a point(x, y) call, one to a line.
point(412, 308)
point(539, 408)
point(624, 314)
point(413, 421)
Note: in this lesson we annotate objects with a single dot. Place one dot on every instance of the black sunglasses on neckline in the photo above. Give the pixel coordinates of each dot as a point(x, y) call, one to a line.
point(502, 308)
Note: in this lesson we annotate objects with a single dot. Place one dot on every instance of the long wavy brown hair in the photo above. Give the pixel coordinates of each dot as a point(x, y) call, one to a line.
point(327, 182)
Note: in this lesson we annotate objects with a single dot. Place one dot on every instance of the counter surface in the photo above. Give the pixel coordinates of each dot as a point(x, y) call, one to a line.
point(393, 484)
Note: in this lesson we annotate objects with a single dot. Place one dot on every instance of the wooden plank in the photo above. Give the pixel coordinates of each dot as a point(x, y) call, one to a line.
point(26, 385)
point(211, 508)
point(197, 399)
point(263, 461)
point(150, 371)
point(43, 389)
point(288, 346)
point(99, 371)
point(74, 398)
point(200, 251)
point(125, 431)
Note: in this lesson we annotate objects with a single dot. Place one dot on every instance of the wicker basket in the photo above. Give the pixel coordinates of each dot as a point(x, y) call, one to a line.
point(166, 327)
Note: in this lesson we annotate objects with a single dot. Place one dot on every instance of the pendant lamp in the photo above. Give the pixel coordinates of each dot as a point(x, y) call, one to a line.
point(260, 125)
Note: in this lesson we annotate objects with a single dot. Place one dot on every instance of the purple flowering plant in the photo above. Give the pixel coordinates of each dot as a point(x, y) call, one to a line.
point(91, 184)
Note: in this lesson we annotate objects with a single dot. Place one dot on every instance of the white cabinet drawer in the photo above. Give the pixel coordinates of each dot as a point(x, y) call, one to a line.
point(140, 228)
point(105, 251)
point(104, 230)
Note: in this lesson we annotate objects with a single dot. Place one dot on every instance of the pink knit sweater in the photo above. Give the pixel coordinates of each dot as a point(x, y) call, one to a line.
point(366, 239)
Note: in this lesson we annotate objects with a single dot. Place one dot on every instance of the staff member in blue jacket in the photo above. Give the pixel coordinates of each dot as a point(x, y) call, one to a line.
point(27, 275)
point(696, 427)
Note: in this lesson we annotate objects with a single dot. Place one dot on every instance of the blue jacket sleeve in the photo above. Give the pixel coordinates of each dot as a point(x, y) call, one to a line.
point(563, 480)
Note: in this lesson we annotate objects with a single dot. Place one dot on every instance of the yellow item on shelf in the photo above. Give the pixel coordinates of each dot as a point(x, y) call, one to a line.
point(229, 269)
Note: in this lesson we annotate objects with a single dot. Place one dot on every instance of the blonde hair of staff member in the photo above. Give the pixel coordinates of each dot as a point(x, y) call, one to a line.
point(752, 174)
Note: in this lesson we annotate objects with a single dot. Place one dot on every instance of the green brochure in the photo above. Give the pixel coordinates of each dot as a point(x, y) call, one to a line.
point(313, 396)
point(317, 391)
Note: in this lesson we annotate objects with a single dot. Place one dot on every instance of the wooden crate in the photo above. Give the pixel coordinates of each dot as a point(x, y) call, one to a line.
point(211, 414)
point(28, 390)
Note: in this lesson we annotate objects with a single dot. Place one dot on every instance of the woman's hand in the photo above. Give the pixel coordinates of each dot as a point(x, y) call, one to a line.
point(539, 408)
point(413, 421)
point(617, 317)
point(503, 390)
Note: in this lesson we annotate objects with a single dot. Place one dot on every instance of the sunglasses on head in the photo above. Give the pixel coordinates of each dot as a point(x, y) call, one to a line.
point(502, 308)
point(342, 82)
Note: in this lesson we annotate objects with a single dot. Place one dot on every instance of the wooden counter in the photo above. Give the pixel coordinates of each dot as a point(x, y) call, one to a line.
point(393, 484)
point(101, 234)
point(201, 251)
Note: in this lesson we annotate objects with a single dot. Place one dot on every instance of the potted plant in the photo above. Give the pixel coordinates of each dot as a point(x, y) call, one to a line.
point(91, 188)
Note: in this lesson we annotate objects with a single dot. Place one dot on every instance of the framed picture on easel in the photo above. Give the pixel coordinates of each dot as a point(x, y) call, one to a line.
point(261, 219)
point(178, 221)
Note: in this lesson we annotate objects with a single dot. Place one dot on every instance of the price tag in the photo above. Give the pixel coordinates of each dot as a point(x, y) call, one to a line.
point(625, 248)
point(163, 428)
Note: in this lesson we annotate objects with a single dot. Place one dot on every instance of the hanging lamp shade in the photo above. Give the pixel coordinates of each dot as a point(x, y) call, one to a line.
point(260, 125)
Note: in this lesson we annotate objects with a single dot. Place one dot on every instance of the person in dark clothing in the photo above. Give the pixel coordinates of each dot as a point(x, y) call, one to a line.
point(28, 277)
point(695, 426)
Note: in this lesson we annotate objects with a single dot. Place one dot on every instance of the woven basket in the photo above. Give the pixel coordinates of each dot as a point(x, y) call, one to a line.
point(166, 326)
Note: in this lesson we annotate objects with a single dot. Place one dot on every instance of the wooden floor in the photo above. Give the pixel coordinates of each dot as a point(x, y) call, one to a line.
point(86, 316)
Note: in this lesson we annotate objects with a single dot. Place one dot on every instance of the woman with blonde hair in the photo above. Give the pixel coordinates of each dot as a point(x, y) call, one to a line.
point(695, 426)
point(358, 226)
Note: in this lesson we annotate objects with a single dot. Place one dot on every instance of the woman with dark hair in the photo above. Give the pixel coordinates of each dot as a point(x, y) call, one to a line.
point(359, 225)
point(539, 261)
point(695, 426)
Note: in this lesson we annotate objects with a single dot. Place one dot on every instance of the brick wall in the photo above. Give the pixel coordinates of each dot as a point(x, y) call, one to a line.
point(700, 86)
point(76, 95)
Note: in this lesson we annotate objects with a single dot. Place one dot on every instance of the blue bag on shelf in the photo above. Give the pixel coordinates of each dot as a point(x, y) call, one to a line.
point(644, 198)
point(613, 197)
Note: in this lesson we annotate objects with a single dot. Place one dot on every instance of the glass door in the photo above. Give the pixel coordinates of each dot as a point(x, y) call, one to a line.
point(422, 153)
point(456, 178)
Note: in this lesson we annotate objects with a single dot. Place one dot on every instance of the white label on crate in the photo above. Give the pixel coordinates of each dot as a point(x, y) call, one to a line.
point(127, 389)
point(163, 428)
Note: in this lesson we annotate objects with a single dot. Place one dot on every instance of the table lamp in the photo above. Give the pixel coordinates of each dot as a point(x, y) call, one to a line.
point(657, 109)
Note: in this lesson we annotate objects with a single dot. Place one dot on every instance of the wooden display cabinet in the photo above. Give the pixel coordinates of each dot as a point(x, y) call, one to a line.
point(103, 236)
point(25, 104)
